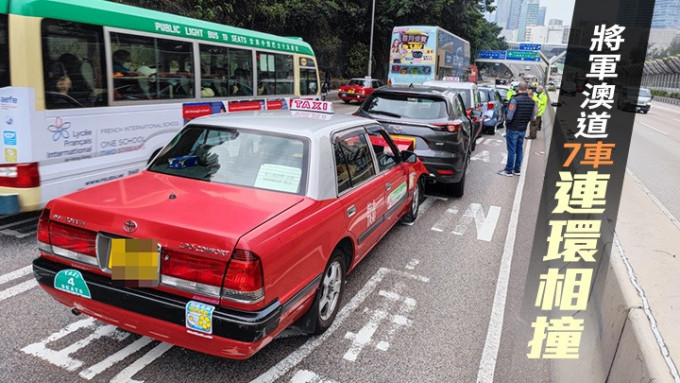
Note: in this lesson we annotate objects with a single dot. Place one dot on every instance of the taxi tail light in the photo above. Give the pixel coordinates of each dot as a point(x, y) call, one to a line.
point(490, 105)
point(451, 126)
point(67, 240)
point(19, 175)
point(44, 231)
point(244, 281)
point(193, 269)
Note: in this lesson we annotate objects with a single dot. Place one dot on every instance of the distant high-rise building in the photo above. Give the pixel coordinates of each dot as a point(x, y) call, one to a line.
point(528, 15)
point(536, 34)
point(541, 16)
point(502, 13)
point(513, 16)
point(666, 14)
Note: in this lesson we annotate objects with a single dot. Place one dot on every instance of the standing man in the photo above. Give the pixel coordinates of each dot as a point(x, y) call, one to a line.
point(542, 102)
point(541, 99)
point(521, 110)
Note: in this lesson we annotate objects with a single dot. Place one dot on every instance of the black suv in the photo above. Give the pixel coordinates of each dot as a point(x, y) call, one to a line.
point(434, 120)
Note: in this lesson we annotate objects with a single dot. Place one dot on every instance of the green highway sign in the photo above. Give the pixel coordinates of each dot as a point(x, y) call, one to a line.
point(522, 55)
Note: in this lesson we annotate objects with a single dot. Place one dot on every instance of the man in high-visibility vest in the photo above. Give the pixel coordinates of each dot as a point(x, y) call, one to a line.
point(541, 100)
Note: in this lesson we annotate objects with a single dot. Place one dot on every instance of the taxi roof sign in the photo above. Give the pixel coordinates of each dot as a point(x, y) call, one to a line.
point(311, 106)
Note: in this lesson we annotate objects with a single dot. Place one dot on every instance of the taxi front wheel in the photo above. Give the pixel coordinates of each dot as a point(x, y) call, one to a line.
point(329, 295)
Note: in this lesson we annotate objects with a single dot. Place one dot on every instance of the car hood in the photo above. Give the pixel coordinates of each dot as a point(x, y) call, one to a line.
point(171, 209)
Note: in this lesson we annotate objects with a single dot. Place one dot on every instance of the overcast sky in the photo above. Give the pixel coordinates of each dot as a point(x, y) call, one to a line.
point(558, 9)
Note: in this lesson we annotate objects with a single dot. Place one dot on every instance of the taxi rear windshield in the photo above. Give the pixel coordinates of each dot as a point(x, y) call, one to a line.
point(4, 52)
point(236, 157)
point(407, 106)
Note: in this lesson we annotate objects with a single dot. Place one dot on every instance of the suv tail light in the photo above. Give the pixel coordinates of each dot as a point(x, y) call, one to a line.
point(244, 281)
point(190, 273)
point(19, 175)
point(451, 126)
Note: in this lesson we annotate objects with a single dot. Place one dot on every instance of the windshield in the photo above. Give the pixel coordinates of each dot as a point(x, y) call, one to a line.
point(4, 52)
point(236, 157)
point(645, 93)
point(407, 106)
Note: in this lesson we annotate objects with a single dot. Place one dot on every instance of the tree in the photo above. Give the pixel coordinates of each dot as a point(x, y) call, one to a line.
point(340, 31)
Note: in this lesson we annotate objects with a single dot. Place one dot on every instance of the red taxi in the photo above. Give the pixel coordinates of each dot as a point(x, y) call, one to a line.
point(243, 225)
point(357, 89)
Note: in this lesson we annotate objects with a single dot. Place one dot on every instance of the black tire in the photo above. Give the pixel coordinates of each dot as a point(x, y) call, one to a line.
point(412, 213)
point(458, 189)
point(345, 101)
point(329, 295)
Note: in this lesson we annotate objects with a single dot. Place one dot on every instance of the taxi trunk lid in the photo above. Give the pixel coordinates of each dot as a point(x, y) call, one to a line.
point(173, 209)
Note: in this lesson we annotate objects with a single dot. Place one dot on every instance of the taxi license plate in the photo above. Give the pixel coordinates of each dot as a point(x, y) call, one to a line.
point(134, 262)
point(404, 142)
point(351, 91)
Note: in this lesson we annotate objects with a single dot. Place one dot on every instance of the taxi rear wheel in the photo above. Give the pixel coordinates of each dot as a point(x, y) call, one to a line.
point(330, 291)
point(415, 204)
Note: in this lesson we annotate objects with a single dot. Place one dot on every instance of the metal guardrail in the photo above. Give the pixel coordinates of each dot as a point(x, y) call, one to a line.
point(667, 100)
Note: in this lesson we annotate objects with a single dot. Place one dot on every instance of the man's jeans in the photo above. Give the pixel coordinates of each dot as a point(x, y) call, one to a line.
point(514, 139)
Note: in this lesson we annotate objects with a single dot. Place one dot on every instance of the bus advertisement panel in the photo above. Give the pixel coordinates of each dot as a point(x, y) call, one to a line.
point(422, 53)
point(91, 91)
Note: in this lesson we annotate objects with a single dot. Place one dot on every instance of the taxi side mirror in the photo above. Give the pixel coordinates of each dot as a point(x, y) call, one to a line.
point(408, 156)
point(556, 104)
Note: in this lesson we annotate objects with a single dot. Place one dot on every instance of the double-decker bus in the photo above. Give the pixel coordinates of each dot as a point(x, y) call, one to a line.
point(423, 53)
point(91, 90)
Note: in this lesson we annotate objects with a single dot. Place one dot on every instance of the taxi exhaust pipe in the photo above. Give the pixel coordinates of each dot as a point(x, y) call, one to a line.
point(75, 311)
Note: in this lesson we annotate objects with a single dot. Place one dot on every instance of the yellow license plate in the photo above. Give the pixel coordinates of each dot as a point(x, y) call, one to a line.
point(351, 91)
point(400, 140)
point(135, 262)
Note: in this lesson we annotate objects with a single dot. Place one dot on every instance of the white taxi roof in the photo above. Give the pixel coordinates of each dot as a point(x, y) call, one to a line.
point(298, 123)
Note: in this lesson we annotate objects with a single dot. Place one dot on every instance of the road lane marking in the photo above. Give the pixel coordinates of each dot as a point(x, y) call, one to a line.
point(100, 367)
point(655, 129)
point(17, 223)
point(126, 375)
point(306, 376)
point(486, 225)
point(18, 289)
point(487, 364)
point(294, 358)
point(15, 274)
point(58, 357)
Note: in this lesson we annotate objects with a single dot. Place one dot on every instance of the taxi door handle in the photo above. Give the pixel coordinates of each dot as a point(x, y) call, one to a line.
point(351, 211)
point(388, 186)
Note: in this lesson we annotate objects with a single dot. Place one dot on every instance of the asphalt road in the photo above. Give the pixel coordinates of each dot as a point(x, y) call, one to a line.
point(417, 309)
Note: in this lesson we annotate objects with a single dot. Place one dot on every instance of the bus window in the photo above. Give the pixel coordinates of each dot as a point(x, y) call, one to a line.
point(146, 68)
point(218, 64)
point(4, 52)
point(275, 73)
point(308, 80)
point(73, 63)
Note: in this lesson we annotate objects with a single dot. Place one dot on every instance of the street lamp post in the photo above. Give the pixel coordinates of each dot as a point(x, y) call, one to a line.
point(370, 49)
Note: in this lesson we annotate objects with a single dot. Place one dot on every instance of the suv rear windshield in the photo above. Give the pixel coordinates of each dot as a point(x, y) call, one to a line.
point(4, 52)
point(407, 106)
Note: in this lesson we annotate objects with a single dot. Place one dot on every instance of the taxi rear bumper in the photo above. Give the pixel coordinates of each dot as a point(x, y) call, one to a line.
point(236, 334)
